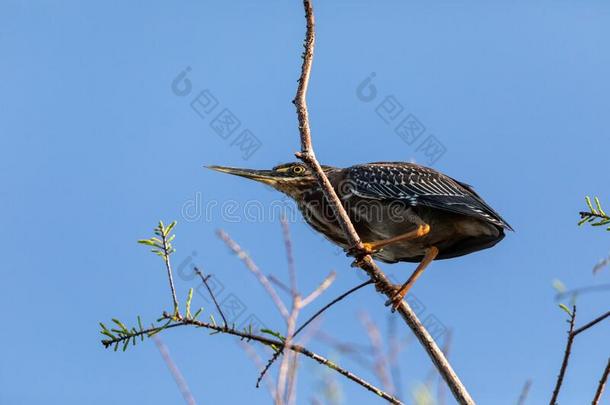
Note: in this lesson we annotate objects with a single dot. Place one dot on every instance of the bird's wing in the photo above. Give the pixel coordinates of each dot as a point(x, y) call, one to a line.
point(419, 185)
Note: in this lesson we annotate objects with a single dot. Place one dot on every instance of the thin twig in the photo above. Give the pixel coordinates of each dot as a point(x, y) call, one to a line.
point(314, 316)
point(258, 362)
point(587, 214)
point(330, 304)
point(354, 351)
point(592, 323)
point(175, 371)
point(524, 392)
point(245, 335)
point(446, 349)
point(380, 361)
point(250, 265)
point(288, 368)
point(394, 349)
point(328, 280)
point(292, 274)
point(279, 283)
point(577, 291)
point(307, 155)
point(602, 384)
point(291, 391)
point(168, 266)
point(566, 357)
point(285, 364)
point(205, 282)
point(572, 333)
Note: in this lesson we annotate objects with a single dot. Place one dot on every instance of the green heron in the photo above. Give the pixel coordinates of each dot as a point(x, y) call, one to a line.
point(403, 212)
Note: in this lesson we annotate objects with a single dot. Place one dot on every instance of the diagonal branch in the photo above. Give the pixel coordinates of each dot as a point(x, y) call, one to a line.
point(307, 155)
point(524, 392)
point(207, 286)
point(314, 316)
point(250, 265)
point(175, 371)
point(319, 289)
point(602, 384)
point(330, 304)
point(566, 358)
point(381, 363)
point(572, 333)
point(592, 323)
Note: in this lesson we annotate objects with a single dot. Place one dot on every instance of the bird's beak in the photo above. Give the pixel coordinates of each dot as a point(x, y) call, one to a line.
point(263, 176)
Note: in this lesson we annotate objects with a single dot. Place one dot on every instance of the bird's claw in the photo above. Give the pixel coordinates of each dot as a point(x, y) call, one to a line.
point(396, 298)
point(359, 253)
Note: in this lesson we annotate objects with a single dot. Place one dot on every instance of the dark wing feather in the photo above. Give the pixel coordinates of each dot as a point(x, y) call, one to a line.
point(419, 185)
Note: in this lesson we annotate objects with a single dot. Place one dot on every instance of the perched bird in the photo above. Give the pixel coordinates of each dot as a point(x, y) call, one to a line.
point(403, 212)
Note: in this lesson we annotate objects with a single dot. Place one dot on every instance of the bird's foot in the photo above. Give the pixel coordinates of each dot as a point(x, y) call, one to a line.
point(360, 252)
point(397, 293)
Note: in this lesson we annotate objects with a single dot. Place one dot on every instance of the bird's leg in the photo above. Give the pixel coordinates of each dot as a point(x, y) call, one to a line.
point(421, 230)
point(372, 247)
point(400, 293)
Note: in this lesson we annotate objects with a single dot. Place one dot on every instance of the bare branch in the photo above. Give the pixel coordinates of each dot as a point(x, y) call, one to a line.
point(285, 364)
point(592, 323)
point(320, 289)
point(381, 362)
point(258, 362)
point(602, 384)
point(524, 392)
point(395, 346)
point(367, 264)
point(566, 357)
point(205, 282)
point(175, 371)
point(581, 290)
point(572, 333)
point(446, 349)
point(289, 255)
point(330, 304)
point(354, 351)
point(279, 283)
point(250, 265)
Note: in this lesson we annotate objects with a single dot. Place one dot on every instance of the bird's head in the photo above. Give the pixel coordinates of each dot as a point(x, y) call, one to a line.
point(291, 178)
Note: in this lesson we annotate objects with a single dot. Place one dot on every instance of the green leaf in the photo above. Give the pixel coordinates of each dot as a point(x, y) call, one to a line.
point(121, 325)
point(170, 227)
point(588, 200)
point(273, 333)
point(599, 206)
point(188, 303)
point(107, 333)
point(565, 308)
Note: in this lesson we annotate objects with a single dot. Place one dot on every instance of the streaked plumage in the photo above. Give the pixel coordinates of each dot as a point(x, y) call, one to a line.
point(386, 199)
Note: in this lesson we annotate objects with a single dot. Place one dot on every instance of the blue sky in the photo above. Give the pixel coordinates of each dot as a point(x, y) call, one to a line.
point(97, 148)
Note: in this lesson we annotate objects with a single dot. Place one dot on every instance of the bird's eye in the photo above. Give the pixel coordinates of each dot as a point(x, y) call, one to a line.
point(298, 170)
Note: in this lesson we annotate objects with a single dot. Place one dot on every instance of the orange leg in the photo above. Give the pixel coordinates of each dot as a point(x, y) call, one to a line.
point(430, 255)
point(422, 230)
